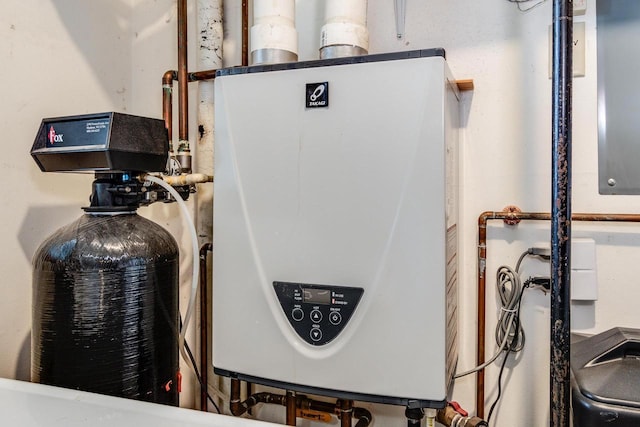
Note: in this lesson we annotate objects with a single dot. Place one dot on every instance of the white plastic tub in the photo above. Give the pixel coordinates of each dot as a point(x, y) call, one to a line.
point(35, 405)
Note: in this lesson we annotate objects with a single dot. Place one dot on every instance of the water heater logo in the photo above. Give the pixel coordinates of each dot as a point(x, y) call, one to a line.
point(54, 137)
point(317, 95)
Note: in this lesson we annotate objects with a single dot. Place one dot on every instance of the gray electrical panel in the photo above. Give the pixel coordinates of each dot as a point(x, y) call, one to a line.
point(618, 96)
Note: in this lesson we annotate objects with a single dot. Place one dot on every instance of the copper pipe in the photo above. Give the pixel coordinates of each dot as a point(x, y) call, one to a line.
point(239, 407)
point(197, 76)
point(291, 408)
point(245, 33)
point(249, 392)
point(167, 103)
point(346, 413)
point(292, 402)
point(235, 404)
point(183, 100)
point(514, 217)
point(204, 333)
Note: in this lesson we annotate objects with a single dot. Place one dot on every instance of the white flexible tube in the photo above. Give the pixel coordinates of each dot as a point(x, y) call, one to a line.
point(195, 271)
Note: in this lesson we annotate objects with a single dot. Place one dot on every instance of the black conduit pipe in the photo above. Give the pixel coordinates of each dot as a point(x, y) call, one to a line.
point(562, 74)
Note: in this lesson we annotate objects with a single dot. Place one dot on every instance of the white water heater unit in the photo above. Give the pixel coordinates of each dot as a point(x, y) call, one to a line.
point(335, 242)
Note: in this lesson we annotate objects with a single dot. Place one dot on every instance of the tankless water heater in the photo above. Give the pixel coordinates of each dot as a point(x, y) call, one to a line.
point(335, 238)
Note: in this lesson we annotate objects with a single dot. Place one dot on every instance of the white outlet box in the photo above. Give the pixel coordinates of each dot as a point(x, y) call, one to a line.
point(583, 254)
point(584, 271)
point(579, 7)
point(584, 278)
point(584, 285)
point(578, 49)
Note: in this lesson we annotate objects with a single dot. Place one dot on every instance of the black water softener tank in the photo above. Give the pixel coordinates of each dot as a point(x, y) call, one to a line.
point(105, 287)
point(105, 308)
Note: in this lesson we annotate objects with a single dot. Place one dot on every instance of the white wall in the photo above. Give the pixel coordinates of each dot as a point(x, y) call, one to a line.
point(58, 58)
point(71, 56)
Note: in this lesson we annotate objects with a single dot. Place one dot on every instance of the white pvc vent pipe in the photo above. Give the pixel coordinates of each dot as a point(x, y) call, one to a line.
point(274, 37)
point(345, 29)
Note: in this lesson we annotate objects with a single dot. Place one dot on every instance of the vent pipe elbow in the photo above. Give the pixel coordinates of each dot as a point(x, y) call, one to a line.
point(274, 38)
point(345, 29)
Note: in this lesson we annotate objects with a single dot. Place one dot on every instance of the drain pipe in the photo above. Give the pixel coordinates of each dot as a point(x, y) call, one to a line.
point(561, 214)
point(345, 29)
point(274, 38)
point(210, 35)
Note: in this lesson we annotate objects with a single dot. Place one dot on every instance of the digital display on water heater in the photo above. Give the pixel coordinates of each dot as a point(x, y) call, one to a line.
point(316, 296)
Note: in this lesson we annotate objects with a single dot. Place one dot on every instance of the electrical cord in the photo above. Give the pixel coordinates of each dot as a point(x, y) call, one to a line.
point(509, 333)
point(510, 289)
point(509, 350)
point(186, 347)
point(507, 320)
point(197, 372)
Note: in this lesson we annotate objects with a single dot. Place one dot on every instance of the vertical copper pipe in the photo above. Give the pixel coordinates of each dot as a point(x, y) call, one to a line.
point(245, 33)
point(183, 100)
point(291, 408)
point(346, 413)
point(482, 259)
point(204, 330)
point(249, 391)
point(235, 403)
point(167, 103)
point(480, 351)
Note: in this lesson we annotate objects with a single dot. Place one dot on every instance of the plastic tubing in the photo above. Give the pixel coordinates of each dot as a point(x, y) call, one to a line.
point(196, 258)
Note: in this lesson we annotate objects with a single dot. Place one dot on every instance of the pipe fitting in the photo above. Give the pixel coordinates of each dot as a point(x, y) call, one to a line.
point(448, 417)
point(414, 416)
point(183, 157)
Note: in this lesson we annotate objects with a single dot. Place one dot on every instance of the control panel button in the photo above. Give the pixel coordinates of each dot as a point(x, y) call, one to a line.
point(318, 313)
point(316, 316)
point(316, 334)
point(297, 314)
point(335, 318)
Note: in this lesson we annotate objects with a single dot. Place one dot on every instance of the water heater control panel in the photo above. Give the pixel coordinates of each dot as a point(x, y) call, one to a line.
point(317, 313)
